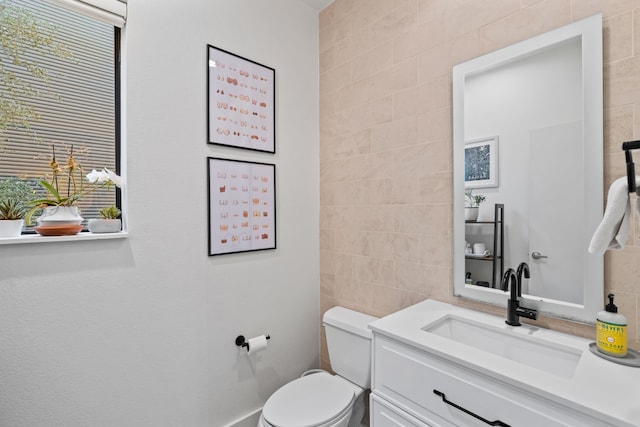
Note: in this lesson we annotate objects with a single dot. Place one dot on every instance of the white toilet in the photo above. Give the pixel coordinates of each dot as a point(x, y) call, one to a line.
point(320, 399)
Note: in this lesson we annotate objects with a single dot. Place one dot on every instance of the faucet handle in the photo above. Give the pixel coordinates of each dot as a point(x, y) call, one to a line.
point(529, 313)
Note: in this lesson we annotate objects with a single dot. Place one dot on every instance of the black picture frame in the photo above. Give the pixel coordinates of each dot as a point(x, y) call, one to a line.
point(241, 206)
point(241, 109)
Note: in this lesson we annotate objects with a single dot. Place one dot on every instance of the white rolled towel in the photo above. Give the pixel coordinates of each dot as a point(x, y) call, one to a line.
point(613, 231)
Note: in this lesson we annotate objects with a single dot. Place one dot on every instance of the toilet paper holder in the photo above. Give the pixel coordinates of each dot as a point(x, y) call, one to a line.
point(241, 341)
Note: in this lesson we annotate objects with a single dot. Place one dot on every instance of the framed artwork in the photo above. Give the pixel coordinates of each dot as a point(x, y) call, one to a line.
point(242, 208)
point(240, 102)
point(481, 163)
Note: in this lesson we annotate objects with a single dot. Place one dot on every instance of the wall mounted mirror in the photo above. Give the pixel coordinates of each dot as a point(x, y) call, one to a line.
point(528, 135)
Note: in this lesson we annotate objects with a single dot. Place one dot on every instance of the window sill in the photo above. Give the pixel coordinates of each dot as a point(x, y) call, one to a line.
point(36, 238)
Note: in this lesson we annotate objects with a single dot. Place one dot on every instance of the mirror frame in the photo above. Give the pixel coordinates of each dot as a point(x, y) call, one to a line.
point(590, 30)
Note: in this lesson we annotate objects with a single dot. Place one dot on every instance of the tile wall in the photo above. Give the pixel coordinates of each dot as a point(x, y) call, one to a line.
point(385, 141)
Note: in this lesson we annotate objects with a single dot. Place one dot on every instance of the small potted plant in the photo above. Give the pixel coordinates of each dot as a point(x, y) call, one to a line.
point(11, 217)
point(15, 195)
point(472, 205)
point(109, 221)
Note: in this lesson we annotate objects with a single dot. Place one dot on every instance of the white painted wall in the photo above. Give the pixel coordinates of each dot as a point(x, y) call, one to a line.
point(140, 331)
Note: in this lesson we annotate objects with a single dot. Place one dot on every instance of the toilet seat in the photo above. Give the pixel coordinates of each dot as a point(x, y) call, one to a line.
point(311, 401)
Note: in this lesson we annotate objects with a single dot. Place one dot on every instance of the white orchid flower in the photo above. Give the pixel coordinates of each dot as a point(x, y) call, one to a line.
point(97, 177)
point(114, 178)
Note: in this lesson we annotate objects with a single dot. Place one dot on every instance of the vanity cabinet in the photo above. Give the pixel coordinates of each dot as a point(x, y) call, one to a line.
point(385, 414)
point(412, 387)
point(497, 258)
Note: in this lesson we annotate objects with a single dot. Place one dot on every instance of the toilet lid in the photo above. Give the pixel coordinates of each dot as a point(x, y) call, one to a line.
point(308, 401)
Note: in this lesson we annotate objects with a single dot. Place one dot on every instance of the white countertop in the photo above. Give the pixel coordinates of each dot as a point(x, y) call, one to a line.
point(598, 387)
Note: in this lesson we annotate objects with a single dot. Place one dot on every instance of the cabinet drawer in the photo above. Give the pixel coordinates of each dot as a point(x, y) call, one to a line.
point(385, 415)
point(432, 388)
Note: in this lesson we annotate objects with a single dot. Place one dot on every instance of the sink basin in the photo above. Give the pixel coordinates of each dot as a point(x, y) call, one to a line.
point(518, 346)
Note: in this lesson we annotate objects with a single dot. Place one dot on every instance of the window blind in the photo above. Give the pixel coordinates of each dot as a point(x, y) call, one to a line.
point(113, 12)
point(81, 117)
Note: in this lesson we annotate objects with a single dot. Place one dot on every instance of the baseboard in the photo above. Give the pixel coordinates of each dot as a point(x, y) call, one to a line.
point(250, 420)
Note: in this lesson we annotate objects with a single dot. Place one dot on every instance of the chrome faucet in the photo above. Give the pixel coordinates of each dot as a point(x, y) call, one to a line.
point(513, 281)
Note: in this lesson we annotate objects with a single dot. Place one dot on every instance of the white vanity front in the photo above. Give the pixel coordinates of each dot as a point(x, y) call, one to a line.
point(435, 364)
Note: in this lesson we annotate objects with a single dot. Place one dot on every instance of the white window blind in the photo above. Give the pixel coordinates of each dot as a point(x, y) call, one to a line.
point(83, 115)
point(113, 12)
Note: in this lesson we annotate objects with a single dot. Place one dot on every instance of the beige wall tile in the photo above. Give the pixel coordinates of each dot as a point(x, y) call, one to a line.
point(435, 276)
point(370, 11)
point(373, 270)
point(381, 192)
point(433, 94)
point(381, 245)
point(327, 240)
point(373, 218)
point(435, 62)
point(622, 82)
point(439, 156)
point(436, 188)
point(409, 277)
point(474, 14)
point(326, 60)
point(353, 95)
point(377, 112)
point(369, 63)
point(435, 10)
point(435, 125)
point(353, 193)
point(355, 292)
point(335, 125)
point(636, 32)
point(388, 300)
point(328, 285)
point(618, 127)
point(421, 219)
point(617, 37)
point(623, 270)
point(404, 190)
point(327, 102)
point(410, 162)
point(398, 133)
point(399, 20)
point(583, 8)
point(436, 249)
point(352, 46)
point(417, 40)
point(335, 78)
point(374, 166)
point(335, 33)
point(406, 247)
point(534, 20)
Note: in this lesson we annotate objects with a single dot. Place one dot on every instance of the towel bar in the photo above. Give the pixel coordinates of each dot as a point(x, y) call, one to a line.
point(631, 169)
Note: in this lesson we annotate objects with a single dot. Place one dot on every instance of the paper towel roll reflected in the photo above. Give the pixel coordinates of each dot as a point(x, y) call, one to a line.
point(256, 344)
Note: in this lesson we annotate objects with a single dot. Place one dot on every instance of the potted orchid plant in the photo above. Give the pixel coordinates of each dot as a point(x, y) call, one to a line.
point(59, 206)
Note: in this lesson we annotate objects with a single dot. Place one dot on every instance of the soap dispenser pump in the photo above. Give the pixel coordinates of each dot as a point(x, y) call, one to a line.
point(611, 331)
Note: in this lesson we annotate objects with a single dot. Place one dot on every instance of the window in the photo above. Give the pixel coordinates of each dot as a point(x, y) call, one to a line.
point(76, 110)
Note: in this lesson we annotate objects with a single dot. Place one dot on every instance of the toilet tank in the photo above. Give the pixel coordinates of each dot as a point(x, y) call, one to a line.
point(349, 344)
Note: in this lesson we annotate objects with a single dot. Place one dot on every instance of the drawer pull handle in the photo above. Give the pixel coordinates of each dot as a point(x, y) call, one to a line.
point(466, 411)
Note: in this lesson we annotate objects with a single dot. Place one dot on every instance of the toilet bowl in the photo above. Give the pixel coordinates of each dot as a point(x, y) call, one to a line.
point(321, 399)
point(318, 400)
